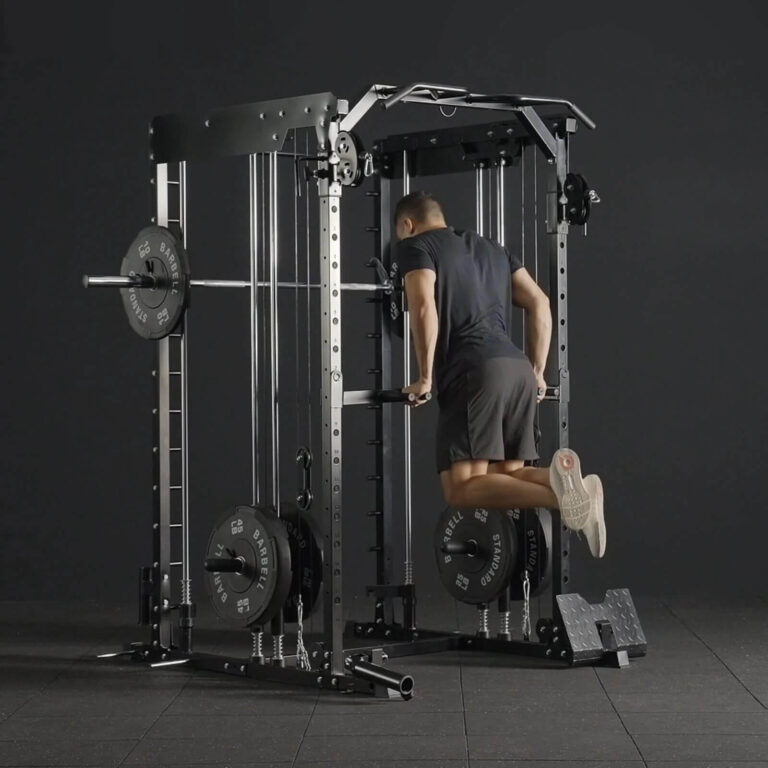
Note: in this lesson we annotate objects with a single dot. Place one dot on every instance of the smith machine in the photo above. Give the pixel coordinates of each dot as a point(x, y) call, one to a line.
point(269, 560)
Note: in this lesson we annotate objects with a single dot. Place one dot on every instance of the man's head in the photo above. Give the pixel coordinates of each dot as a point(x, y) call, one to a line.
point(417, 212)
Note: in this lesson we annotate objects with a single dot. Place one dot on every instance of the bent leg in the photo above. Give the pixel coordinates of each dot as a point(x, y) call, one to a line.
point(515, 468)
point(470, 484)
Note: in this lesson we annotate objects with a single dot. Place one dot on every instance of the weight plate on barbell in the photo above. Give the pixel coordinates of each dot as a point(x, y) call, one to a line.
point(534, 537)
point(253, 595)
point(155, 312)
point(306, 561)
point(479, 577)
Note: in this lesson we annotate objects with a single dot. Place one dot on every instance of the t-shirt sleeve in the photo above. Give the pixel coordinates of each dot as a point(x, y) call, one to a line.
point(410, 256)
point(514, 262)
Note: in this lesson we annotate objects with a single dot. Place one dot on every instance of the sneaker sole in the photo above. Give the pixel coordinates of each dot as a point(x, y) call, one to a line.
point(594, 530)
point(568, 485)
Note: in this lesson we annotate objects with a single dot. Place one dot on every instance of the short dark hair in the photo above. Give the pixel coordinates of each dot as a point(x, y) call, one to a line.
point(419, 206)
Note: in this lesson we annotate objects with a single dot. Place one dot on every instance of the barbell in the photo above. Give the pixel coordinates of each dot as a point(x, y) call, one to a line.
point(155, 283)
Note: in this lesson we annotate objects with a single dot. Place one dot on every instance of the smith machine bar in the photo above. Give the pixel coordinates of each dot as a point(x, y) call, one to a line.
point(254, 571)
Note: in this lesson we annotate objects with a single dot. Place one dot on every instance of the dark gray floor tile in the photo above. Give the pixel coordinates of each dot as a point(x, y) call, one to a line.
point(97, 703)
point(516, 681)
point(559, 764)
point(387, 723)
point(226, 727)
point(634, 680)
point(442, 763)
point(708, 764)
point(538, 703)
point(498, 723)
point(10, 703)
point(700, 701)
point(236, 697)
point(705, 747)
point(64, 753)
point(385, 749)
point(700, 722)
point(19, 728)
point(153, 752)
point(571, 745)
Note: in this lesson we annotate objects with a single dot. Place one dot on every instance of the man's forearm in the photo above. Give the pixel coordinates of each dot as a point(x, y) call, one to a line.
point(424, 331)
point(539, 333)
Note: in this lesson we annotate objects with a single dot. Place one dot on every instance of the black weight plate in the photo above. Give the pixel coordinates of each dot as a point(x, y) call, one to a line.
point(155, 312)
point(534, 536)
point(481, 577)
point(254, 596)
point(306, 561)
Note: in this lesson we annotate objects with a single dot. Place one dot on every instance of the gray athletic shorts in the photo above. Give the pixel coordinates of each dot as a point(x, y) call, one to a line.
point(488, 413)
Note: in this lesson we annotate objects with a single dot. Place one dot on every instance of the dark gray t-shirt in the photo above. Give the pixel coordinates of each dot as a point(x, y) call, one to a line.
point(472, 293)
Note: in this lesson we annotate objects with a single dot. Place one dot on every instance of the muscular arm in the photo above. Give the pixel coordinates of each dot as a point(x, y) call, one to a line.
point(527, 294)
point(420, 293)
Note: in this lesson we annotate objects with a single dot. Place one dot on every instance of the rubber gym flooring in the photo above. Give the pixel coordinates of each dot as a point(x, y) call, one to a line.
point(700, 698)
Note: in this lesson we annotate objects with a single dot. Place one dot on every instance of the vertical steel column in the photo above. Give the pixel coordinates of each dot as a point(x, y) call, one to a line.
point(557, 366)
point(277, 626)
point(407, 411)
point(479, 222)
point(383, 440)
point(274, 340)
point(161, 487)
point(253, 186)
point(332, 399)
point(500, 228)
point(186, 584)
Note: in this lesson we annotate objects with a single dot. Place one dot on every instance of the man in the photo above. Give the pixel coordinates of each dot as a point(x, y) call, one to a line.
point(458, 286)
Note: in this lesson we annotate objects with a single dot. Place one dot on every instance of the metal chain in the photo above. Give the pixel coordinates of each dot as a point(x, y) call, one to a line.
point(526, 606)
point(302, 657)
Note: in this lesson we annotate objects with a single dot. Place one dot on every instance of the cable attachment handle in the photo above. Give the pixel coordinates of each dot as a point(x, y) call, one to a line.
point(304, 461)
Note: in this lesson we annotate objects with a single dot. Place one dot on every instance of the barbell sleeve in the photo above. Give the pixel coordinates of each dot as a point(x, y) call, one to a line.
point(379, 675)
point(120, 281)
point(460, 548)
point(224, 564)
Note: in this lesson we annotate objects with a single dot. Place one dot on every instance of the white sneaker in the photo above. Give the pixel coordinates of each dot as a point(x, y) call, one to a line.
point(594, 529)
point(573, 498)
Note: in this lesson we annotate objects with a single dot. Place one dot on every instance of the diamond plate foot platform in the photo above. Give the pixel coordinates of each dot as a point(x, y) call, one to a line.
point(608, 631)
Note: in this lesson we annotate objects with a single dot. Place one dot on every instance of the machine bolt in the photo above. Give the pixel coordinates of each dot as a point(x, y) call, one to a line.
point(548, 652)
point(320, 680)
point(334, 682)
point(154, 626)
point(562, 654)
point(242, 667)
point(384, 658)
point(226, 665)
point(164, 656)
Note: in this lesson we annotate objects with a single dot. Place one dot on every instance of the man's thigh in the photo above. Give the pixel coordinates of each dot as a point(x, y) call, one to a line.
point(460, 472)
point(505, 467)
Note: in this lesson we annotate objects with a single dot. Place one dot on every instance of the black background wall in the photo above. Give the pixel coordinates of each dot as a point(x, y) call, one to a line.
point(666, 329)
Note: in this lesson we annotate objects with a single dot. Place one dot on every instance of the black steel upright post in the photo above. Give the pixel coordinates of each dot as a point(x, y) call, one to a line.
point(161, 454)
point(557, 365)
point(383, 439)
point(332, 398)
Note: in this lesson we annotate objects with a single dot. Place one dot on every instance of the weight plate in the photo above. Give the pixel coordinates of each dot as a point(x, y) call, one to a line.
point(534, 537)
point(476, 578)
point(155, 312)
point(306, 561)
point(253, 596)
